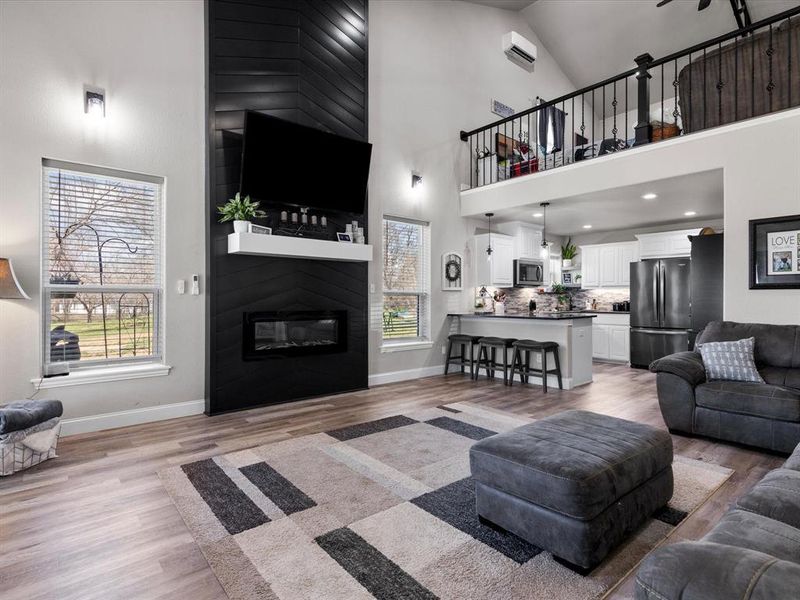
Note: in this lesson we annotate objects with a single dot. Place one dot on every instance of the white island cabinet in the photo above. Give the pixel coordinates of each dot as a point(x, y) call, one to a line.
point(572, 332)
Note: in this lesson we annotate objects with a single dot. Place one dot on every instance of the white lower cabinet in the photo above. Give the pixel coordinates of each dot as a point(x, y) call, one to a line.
point(611, 337)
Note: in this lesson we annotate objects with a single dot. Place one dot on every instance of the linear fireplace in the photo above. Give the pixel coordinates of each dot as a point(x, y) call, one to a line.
point(277, 334)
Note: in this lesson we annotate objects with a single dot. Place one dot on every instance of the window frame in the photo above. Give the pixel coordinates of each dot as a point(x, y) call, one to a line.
point(423, 295)
point(93, 368)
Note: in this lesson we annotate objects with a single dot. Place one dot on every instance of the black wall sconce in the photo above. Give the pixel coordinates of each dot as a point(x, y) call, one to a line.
point(416, 180)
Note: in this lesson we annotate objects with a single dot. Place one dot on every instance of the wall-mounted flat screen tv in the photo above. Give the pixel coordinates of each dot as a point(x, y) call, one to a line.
point(284, 163)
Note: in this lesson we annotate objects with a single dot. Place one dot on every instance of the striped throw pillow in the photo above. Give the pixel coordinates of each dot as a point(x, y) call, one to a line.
point(730, 361)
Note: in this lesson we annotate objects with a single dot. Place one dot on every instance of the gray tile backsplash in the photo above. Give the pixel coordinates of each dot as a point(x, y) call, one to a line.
point(517, 298)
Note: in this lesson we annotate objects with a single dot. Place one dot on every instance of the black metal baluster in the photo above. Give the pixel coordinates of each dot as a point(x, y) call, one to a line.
point(572, 132)
point(593, 116)
point(604, 112)
point(720, 85)
point(771, 83)
point(614, 105)
point(583, 125)
point(662, 102)
point(627, 131)
point(789, 48)
point(736, 79)
point(752, 77)
point(691, 106)
point(675, 88)
point(537, 116)
point(471, 168)
point(489, 156)
point(563, 134)
point(705, 90)
point(531, 155)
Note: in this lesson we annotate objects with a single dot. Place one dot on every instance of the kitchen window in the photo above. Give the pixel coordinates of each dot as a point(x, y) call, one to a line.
point(406, 282)
point(102, 283)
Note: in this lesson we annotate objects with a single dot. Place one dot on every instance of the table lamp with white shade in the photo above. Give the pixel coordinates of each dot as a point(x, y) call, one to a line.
point(10, 289)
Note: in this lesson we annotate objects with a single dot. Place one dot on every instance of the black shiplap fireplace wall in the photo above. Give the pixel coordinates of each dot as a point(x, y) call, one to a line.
point(304, 61)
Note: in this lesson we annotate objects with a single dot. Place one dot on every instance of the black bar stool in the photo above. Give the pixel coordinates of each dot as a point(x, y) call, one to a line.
point(487, 356)
point(525, 370)
point(462, 340)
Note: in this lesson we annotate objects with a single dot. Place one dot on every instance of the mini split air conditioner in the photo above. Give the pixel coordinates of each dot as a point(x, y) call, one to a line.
point(519, 50)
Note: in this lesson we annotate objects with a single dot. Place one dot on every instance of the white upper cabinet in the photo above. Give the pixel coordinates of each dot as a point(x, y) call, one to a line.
point(590, 266)
point(499, 270)
point(527, 238)
point(667, 244)
point(607, 265)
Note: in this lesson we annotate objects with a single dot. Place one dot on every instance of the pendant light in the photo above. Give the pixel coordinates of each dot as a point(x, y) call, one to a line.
point(545, 250)
point(489, 248)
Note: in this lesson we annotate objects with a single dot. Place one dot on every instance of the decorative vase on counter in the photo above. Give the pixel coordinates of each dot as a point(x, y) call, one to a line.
point(567, 263)
point(241, 226)
point(499, 308)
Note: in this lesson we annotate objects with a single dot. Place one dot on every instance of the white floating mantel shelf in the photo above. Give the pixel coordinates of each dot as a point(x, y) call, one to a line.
point(297, 247)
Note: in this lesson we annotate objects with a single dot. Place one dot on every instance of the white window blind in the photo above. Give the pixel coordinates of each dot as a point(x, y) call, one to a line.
point(101, 270)
point(406, 280)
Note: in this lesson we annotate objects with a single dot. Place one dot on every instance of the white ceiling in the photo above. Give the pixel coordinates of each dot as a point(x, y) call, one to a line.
point(623, 208)
point(504, 4)
point(592, 40)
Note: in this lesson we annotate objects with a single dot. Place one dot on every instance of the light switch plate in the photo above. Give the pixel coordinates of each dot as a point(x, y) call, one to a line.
point(181, 286)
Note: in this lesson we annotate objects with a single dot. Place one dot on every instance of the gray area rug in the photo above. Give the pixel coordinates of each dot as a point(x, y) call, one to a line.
point(385, 510)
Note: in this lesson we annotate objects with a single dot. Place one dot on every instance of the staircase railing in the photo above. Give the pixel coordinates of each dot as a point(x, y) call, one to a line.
point(743, 74)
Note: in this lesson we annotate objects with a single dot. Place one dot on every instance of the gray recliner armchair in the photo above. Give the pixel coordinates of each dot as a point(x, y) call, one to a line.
point(766, 415)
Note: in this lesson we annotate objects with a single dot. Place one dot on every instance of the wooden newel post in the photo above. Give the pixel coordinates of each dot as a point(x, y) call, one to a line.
point(644, 131)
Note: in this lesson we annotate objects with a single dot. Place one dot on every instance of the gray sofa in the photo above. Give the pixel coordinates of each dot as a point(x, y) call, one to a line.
point(766, 415)
point(753, 552)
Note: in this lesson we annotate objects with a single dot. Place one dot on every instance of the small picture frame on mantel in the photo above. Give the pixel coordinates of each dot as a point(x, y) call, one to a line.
point(775, 253)
point(452, 272)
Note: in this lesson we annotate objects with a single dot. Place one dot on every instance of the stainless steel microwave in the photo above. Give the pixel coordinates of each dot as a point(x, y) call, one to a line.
point(528, 273)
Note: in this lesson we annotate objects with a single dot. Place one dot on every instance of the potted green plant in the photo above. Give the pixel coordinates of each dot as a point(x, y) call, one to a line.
point(240, 211)
point(562, 296)
point(568, 252)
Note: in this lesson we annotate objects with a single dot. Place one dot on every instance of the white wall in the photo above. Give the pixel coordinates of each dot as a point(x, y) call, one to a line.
point(433, 68)
point(761, 178)
point(149, 56)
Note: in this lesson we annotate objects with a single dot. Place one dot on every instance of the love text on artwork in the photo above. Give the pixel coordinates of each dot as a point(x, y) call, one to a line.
point(784, 240)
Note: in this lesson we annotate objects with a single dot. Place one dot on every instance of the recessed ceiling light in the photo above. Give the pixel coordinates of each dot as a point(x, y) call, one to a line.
point(690, 213)
point(649, 196)
point(587, 226)
point(537, 214)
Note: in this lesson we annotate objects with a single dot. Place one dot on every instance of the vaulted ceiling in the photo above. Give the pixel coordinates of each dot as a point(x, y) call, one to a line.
point(595, 39)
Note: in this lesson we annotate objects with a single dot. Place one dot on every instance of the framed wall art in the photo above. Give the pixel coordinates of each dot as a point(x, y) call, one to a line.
point(452, 272)
point(775, 253)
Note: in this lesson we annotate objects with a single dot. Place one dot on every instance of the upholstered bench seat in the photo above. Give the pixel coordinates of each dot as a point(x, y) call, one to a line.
point(576, 483)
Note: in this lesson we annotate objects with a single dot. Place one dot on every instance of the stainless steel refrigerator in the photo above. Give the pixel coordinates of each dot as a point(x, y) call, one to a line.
point(660, 309)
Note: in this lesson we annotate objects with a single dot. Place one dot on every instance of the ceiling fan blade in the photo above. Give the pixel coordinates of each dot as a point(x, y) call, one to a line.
point(704, 4)
point(662, 3)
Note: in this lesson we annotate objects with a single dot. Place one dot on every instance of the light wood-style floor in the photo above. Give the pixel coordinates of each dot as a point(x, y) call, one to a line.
point(96, 522)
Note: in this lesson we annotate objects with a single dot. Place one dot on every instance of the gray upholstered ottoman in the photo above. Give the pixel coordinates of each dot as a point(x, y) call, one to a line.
point(575, 484)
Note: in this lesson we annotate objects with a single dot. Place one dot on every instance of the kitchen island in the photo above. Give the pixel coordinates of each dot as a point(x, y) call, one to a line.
point(572, 331)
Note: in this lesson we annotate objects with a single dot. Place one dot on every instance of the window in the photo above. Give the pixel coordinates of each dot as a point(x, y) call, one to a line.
point(101, 272)
point(406, 280)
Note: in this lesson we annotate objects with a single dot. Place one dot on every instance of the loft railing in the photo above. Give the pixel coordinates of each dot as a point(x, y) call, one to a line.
point(746, 73)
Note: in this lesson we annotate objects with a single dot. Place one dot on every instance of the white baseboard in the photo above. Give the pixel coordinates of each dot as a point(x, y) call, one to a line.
point(394, 376)
point(137, 416)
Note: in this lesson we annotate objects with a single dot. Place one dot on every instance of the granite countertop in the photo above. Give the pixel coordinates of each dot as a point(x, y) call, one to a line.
point(544, 316)
point(605, 312)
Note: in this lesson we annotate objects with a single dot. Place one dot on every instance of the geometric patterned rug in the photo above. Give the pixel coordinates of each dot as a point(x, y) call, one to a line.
point(385, 509)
